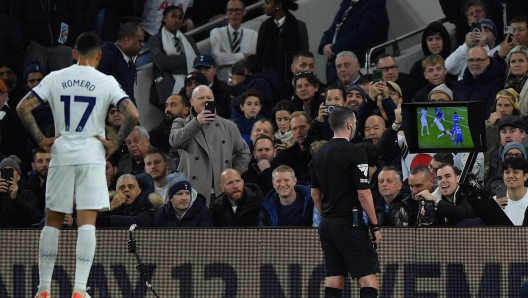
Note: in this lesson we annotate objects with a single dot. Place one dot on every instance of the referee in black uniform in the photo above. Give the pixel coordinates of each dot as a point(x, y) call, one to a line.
point(341, 193)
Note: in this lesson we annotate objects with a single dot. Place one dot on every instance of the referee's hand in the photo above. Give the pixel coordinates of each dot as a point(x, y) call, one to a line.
point(376, 237)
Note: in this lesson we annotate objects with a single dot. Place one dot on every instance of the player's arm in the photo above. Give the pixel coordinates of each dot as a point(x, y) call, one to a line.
point(24, 109)
point(367, 203)
point(317, 197)
point(131, 114)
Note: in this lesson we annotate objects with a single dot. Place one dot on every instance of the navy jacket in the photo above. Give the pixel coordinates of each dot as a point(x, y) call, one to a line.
point(244, 124)
point(366, 26)
point(265, 83)
point(196, 216)
point(247, 210)
point(113, 63)
point(483, 88)
point(268, 215)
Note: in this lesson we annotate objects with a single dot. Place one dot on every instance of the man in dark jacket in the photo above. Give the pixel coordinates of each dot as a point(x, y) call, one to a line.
point(18, 206)
point(408, 85)
point(239, 205)
point(483, 79)
point(396, 208)
point(130, 205)
point(259, 171)
point(117, 58)
point(363, 25)
point(37, 183)
point(290, 204)
point(185, 209)
point(207, 66)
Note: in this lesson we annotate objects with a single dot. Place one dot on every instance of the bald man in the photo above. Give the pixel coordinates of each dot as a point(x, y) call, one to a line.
point(239, 204)
point(204, 139)
point(483, 79)
point(374, 128)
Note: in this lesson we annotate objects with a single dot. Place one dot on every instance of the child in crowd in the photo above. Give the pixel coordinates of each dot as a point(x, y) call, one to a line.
point(247, 113)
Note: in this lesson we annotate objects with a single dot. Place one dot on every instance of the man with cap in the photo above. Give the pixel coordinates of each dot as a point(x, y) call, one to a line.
point(511, 129)
point(18, 206)
point(13, 137)
point(206, 65)
point(457, 63)
point(117, 58)
point(193, 80)
point(435, 73)
point(186, 208)
point(483, 79)
point(232, 43)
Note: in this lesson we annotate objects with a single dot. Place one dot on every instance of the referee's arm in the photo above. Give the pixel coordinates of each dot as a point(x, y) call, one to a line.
point(367, 203)
point(318, 200)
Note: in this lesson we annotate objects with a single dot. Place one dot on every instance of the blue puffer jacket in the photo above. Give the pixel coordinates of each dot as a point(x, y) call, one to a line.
point(196, 216)
point(268, 215)
point(244, 124)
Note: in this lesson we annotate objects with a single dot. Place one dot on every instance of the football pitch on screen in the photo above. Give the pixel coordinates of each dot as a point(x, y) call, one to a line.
point(432, 140)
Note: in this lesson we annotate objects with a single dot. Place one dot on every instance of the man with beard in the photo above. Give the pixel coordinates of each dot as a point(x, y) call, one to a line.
point(37, 183)
point(239, 205)
point(259, 171)
point(16, 91)
point(176, 106)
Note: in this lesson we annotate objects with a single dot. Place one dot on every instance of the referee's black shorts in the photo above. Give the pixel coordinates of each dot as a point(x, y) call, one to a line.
point(347, 249)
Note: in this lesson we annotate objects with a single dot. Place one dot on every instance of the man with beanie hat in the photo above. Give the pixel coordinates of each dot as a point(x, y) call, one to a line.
point(506, 103)
point(185, 209)
point(33, 74)
point(440, 93)
point(18, 206)
point(193, 80)
point(513, 149)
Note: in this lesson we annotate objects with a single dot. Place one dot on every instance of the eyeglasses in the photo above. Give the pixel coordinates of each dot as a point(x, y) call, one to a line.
point(513, 155)
point(235, 10)
point(478, 60)
point(387, 69)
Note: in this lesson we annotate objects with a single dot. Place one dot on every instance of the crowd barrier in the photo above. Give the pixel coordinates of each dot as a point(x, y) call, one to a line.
point(415, 262)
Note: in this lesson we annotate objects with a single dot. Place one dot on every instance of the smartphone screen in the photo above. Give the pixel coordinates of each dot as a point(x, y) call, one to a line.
point(508, 30)
point(476, 27)
point(500, 191)
point(7, 174)
point(377, 75)
point(210, 106)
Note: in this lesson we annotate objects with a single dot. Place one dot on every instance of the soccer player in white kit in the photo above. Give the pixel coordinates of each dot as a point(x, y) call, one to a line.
point(438, 122)
point(423, 120)
point(79, 97)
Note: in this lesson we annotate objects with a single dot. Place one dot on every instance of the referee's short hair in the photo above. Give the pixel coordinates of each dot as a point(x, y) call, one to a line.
point(339, 118)
point(87, 44)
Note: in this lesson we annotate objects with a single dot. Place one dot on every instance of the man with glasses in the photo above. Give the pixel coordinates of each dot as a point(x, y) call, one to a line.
point(232, 43)
point(207, 66)
point(483, 79)
point(388, 65)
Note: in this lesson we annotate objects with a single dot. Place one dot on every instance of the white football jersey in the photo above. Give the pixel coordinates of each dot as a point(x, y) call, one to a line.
point(79, 97)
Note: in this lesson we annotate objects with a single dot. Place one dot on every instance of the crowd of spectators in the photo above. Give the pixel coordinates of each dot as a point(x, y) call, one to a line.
point(242, 123)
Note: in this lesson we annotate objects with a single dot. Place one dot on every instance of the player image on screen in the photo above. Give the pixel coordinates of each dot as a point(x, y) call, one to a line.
point(438, 122)
point(423, 120)
point(439, 114)
point(456, 132)
point(456, 118)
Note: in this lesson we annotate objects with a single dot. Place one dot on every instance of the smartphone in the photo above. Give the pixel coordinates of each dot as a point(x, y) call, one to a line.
point(500, 191)
point(277, 141)
point(210, 106)
point(377, 75)
point(508, 30)
point(7, 174)
point(476, 27)
point(330, 108)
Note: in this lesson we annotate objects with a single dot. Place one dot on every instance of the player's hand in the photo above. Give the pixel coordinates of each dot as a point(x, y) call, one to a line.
point(68, 220)
point(118, 200)
point(377, 237)
point(322, 112)
point(205, 117)
point(109, 146)
point(47, 143)
point(503, 202)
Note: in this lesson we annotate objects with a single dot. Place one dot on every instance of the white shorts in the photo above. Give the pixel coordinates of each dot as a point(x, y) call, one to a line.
point(424, 122)
point(87, 182)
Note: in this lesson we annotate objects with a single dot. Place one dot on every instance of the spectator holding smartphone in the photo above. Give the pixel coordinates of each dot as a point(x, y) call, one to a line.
point(18, 206)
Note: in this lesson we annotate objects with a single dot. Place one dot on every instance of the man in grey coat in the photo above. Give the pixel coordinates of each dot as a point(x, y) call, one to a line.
point(208, 144)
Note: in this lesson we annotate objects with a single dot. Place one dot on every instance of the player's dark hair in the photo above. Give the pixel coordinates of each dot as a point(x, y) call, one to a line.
point(339, 118)
point(127, 30)
point(166, 11)
point(154, 150)
point(302, 54)
point(283, 105)
point(35, 151)
point(87, 44)
point(421, 169)
point(262, 137)
point(395, 169)
point(444, 158)
point(249, 93)
point(254, 64)
point(340, 88)
point(447, 165)
point(112, 161)
point(371, 151)
point(515, 163)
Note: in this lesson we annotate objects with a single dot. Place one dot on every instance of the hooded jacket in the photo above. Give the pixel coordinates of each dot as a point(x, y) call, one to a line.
point(483, 88)
point(269, 216)
point(417, 71)
point(197, 215)
point(247, 209)
point(265, 83)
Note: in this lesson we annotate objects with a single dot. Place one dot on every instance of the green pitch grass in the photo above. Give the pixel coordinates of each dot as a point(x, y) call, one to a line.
point(432, 141)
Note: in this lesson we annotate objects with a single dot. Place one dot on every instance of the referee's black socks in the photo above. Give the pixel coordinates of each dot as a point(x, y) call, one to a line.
point(368, 292)
point(332, 292)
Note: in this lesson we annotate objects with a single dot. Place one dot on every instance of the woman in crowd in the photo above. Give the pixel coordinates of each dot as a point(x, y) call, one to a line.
point(280, 117)
point(306, 96)
point(517, 61)
point(173, 54)
point(280, 36)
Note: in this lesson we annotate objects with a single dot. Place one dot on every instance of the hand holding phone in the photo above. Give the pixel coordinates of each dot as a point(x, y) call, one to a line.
point(7, 174)
point(508, 32)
